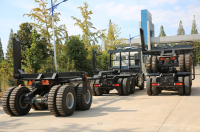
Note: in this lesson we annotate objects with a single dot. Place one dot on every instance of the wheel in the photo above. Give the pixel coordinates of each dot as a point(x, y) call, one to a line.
point(106, 91)
point(66, 100)
point(132, 85)
point(5, 101)
point(141, 82)
point(148, 86)
point(154, 64)
point(181, 88)
point(188, 64)
point(154, 89)
point(16, 101)
point(84, 101)
point(98, 91)
point(181, 59)
point(119, 89)
point(52, 100)
point(92, 87)
point(187, 85)
point(126, 86)
point(148, 64)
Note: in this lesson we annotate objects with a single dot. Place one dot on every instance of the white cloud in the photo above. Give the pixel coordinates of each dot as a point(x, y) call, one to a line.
point(177, 7)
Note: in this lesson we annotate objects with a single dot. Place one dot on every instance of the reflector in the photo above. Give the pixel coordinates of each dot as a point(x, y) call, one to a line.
point(96, 85)
point(116, 85)
point(155, 84)
point(178, 84)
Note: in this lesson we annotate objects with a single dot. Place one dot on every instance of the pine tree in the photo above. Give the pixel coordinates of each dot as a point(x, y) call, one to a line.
point(162, 32)
point(194, 27)
point(9, 50)
point(1, 51)
point(181, 30)
point(111, 31)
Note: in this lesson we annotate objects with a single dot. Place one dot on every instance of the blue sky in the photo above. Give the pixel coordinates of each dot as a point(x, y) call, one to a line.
point(125, 13)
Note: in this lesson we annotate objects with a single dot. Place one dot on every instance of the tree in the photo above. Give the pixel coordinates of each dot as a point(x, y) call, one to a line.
point(194, 27)
point(110, 31)
point(77, 53)
point(180, 31)
point(112, 39)
point(26, 39)
point(162, 32)
point(9, 50)
point(88, 36)
point(44, 22)
point(1, 51)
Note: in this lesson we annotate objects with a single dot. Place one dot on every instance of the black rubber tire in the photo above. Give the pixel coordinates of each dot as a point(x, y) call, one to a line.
point(188, 63)
point(126, 86)
point(81, 103)
point(92, 87)
point(187, 85)
point(141, 82)
point(181, 88)
point(61, 106)
point(148, 86)
point(132, 85)
point(52, 100)
point(5, 101)
point(14, 102)
point(148, 64)
point(119, 89)
point(98, 91)
point(154, 64)
point(181, 59)
point(106, 91)
point(154, 89)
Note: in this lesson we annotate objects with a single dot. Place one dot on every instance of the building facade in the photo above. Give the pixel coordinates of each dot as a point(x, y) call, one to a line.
point(147, 25)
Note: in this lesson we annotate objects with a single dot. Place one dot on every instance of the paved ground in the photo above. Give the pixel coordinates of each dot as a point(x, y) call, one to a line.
point(167, 112)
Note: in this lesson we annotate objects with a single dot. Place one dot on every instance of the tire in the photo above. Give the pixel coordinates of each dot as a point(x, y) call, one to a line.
point(141, 82)
point(84, 101)
point(154, 89)
point(119, 89)
point(66, 100)
point(181, 88)
point(148, 86)
point(106, 91)
point(92, 87)
point(188, 63)
point(17, 107)
point(126, 86)
point(148, 64)
point(98, 91)
point(132, 85)
point(52, 100)
point(181, 59)
point(154, 64)
point(5, 101)
point(187, 85)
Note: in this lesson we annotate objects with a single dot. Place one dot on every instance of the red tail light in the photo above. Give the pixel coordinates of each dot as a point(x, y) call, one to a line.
point(45, 82)
point(96, 85)
point(162, 58)
point(30, 82)
point(155, 84)
point(178, 84)
point(172, 58)
point(116, 85)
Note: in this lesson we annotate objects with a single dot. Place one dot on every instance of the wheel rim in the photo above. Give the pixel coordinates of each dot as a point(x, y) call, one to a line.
point(22, 105)
point(87, 97)
point(70, 100)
